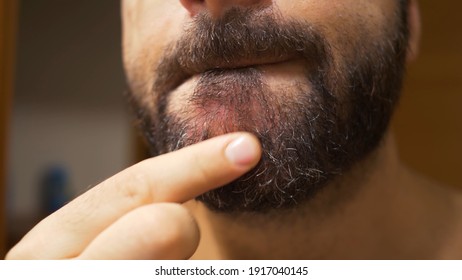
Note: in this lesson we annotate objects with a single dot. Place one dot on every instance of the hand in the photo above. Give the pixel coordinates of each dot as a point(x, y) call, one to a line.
point(137, 214)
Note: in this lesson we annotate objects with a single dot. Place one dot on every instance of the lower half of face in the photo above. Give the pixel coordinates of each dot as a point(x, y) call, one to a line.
point(317, 112)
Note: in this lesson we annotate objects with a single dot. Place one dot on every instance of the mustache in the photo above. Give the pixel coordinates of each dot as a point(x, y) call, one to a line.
point(242, 37)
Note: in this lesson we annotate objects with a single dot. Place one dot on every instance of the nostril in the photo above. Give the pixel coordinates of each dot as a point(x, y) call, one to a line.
point(193, 6)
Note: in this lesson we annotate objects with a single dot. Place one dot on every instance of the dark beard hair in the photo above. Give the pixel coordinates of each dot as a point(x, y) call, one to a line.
point(308, 140)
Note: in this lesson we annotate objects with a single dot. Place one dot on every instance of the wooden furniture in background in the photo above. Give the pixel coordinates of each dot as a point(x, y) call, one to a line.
point(8, 26)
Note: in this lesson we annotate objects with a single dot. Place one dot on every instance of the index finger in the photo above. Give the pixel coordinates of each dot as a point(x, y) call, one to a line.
point(174, 177)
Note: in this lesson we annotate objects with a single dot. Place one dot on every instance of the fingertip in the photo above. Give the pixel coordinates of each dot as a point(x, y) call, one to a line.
point(244, 151)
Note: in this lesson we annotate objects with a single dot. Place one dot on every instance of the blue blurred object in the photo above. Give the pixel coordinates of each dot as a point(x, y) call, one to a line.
point(55, 188)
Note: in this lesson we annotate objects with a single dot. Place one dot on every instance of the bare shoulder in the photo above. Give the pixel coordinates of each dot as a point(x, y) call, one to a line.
point(441, 210)
point(458, 230)
point(452, 248)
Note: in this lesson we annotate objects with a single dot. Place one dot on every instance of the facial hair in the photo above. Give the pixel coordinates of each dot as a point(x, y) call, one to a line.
point(310, 134)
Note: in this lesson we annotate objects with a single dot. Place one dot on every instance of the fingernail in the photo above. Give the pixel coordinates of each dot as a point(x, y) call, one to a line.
point(242, 151)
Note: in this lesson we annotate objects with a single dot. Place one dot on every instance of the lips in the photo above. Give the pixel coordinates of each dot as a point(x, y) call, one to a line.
point(194, 67)
point(177, 69)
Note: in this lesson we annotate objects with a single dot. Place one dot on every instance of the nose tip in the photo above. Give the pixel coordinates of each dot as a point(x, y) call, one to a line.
point(216, 7)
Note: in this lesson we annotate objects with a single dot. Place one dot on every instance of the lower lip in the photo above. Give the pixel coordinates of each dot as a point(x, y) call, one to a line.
point(290, 70)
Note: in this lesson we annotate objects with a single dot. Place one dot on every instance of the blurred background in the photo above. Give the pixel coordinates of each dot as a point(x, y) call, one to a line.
point(68, 125)
point(65, 127)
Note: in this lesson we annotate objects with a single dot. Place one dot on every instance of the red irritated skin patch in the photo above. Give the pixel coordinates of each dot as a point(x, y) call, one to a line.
point(231, 100)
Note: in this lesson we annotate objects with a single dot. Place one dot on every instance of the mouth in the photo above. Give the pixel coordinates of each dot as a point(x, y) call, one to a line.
point(193, 68)
point(185, 69)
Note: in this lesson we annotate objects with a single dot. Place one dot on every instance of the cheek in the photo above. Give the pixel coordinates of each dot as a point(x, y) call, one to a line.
point(342, 21)
point(148, 27)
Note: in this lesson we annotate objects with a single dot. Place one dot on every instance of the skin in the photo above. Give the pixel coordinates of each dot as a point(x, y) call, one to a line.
point(113, 219)
point(392, 213)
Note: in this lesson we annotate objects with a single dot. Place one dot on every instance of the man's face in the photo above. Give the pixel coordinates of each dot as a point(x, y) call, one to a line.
point(316, 81)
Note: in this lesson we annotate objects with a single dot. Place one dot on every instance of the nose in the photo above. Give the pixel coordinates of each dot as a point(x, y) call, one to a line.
point(216, 7)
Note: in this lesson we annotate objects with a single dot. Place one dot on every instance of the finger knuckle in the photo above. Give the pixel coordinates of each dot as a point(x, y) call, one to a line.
point(181, 230)
point(134, 186)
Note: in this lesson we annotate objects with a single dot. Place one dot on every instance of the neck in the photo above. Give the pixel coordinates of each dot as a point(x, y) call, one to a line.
point(370, 213)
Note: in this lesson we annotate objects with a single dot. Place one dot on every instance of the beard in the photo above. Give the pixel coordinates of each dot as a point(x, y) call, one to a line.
point(311, 133)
